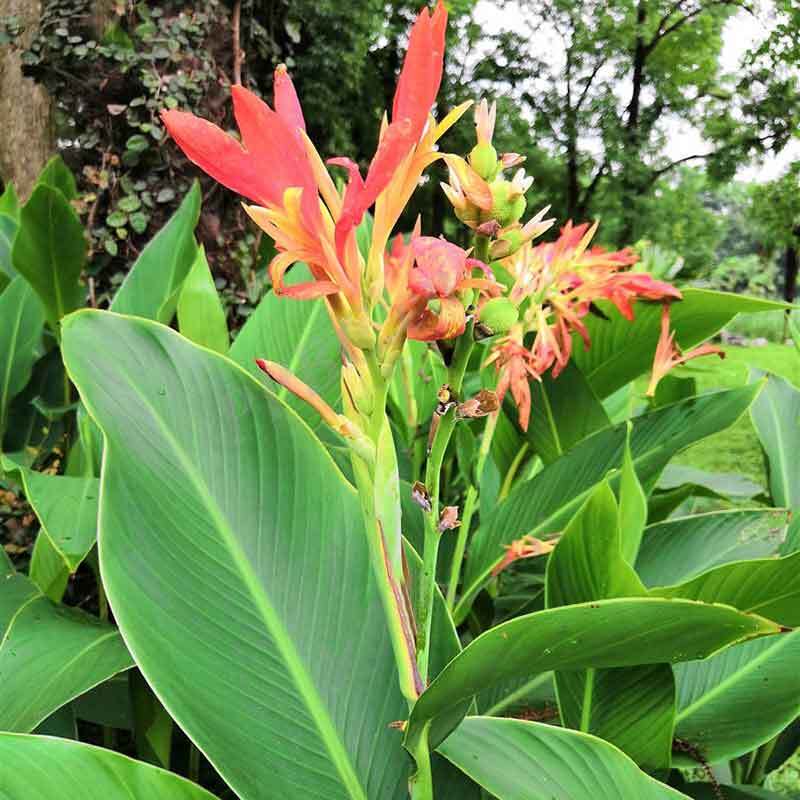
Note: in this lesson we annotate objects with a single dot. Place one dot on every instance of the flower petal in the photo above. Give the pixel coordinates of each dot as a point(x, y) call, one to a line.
point(421, 74)
point(219, 155)
point(287, 104)
point(447, 324)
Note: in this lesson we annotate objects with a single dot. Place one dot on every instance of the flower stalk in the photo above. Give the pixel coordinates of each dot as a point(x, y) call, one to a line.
point(470, 504)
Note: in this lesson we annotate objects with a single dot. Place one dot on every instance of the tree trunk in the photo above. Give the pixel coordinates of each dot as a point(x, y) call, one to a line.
point(28, 137)
point(630, 185)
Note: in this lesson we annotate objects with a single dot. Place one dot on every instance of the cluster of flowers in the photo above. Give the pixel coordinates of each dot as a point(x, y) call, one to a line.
point(531, 298)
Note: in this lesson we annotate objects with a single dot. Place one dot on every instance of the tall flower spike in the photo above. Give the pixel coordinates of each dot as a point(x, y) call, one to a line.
point(416, 92)
point(274, 167)
point(669, 355)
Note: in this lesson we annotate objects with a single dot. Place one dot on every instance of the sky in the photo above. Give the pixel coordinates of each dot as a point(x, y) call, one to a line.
point(740, 33)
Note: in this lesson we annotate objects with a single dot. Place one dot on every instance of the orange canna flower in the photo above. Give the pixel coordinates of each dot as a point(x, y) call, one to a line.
point(526, 547)
point(555, 285)
point(516, 367)
point(669, 355)
point(277, 167)
point(430, 302)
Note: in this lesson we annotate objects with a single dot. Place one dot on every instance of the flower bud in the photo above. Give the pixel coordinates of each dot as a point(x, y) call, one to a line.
point(508, 205)
point(359, 331)
point(483, 159)
point(359, 390)
point(509, 241)
point(498, 314)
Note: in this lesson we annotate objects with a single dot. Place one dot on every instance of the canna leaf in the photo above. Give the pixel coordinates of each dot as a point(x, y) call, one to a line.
point(20, 334)
point(50, 252)
point(545, 503)
point(517, 760)
point(232, 506)
point(152, 286)
point(49, 654)
point(201, 317)
point(75, 769)
point(607, 633)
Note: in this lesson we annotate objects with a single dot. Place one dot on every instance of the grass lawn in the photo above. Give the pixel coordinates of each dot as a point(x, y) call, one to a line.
point(737, 449)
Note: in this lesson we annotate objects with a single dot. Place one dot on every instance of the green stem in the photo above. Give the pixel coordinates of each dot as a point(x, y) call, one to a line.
point(433, 470)
point(758, 766)
point(470, 504)
point(389, 585)
point(512, 472)
point(737, 770)
point(421, 787)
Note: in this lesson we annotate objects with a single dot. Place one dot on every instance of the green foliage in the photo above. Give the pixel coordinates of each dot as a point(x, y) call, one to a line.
point(248, 556)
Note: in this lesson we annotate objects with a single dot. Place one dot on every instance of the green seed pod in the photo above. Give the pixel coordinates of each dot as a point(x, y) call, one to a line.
point(508, 205)
point(483, 159)
point(498, 314)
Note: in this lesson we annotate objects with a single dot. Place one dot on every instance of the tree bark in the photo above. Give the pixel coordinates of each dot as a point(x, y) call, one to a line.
point(631, 139)
point(26, 110)
point(791, 265)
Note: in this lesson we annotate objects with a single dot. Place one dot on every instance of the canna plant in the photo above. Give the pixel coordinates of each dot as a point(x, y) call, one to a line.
point(405, 535)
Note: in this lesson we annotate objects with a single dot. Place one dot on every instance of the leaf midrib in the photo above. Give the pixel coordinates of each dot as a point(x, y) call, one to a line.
point(285, 646)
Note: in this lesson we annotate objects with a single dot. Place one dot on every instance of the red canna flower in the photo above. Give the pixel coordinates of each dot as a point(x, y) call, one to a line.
point(416, 92)
point(429, 300)
point(669, 355)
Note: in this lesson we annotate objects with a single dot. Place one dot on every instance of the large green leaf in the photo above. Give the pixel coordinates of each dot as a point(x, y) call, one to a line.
point(66, 508)
point(768, 586)
point(9, 202)
point(681, 548)
point(42, 768)
point(776, 418)
point(543, 504)
point(633, 708)
point(152, 286)
point(8, 230)
point(201, 317)
point(607, 633)
point(587, 563)
point(57, 175)
point(48, 570)
point(516, 760)
point(50, 251)
point(566, 411)
point(234, 558)
point(739, 699)
point(632, 507)
point(48, 654)
point(299, 335)
point(623, 350)
point(20, 332)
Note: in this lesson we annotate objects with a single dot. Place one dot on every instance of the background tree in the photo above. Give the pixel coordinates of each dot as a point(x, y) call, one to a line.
point(604, 85)
point(776, 215)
